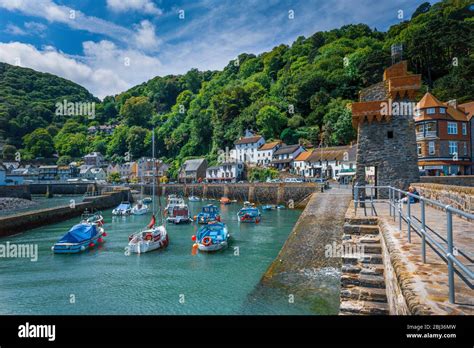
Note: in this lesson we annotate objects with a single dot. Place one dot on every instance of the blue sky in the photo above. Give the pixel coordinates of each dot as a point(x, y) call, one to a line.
point(109, 46)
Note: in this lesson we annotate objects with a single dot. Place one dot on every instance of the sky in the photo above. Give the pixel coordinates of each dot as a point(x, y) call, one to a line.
point(109, 46)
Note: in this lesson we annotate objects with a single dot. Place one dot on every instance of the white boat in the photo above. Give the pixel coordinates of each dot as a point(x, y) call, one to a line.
point(194, 199)
point(173, 201)
point(123, 209)
point(151, 237)
point(179, 214)
point(140, 208)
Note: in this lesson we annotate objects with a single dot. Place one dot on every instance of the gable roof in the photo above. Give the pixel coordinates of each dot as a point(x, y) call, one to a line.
point(269, 146)
point(286, 149)
point(335, 153)
point(193, 164)
point(468, 108)
point(248, 140)
point(303, 156)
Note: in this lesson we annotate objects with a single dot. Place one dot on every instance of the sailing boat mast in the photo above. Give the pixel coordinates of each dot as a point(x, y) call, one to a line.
point(154, 166)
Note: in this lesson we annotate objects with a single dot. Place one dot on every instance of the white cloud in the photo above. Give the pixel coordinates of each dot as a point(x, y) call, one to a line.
point(145, 6)
point(145, 36)
point(14, 30)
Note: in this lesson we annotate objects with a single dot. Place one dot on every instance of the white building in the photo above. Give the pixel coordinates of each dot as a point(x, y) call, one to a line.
point(127, 170)
point(91, 173)
point(266, 151)
point(226, 172)
point(283, 157)
point(247, 146)
point(301, 164)
point(335, 163)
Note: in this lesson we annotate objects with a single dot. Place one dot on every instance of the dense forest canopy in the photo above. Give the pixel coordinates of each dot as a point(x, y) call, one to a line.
point(296, 93)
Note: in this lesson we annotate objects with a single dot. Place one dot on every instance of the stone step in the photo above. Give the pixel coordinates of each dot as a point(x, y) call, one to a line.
point(375, 269)
point(367, 259)
point(365, 280)
point(362, 220)
point(361, 229)
point(361, 248)
point(364, 294)
point(355, 307)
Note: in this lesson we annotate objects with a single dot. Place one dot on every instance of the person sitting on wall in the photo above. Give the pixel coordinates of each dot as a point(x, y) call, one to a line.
point(413, 191)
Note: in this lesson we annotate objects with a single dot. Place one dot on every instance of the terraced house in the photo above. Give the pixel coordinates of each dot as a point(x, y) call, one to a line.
point(443, 137)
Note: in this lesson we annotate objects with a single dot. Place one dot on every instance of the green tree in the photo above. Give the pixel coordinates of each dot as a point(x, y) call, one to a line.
point(114, 178)
point(64, 160)
point(39, 143)
point(137, 111)
point(136, 141)
point(9, 152)
point(271, 121)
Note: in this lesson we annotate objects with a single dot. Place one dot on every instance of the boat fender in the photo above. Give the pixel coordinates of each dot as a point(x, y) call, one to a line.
point(83, 248)
point(148, 237)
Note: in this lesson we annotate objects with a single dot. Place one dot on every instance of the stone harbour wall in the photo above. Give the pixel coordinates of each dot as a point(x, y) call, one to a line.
point(15, 191)
point(459, 197)
point(461, 180)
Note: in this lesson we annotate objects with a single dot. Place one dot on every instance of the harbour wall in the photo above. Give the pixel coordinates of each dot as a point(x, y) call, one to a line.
point(274, 193)
point(459, 197)
point(61, 188)
point(16, 191)
point(15, 224)
point(460, 180)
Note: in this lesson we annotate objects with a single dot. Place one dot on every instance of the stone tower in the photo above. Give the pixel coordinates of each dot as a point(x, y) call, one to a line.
point(387, 152)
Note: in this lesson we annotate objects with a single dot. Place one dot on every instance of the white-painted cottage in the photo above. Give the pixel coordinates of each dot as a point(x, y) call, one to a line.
point(246, 147)
point(226, 172)
point(266, 151)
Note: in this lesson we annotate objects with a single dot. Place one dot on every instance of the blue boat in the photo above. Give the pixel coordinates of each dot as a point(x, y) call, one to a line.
point(79, 238)
point(213, 237)
point(268, 207)
point(209, 213)
point(249, 214)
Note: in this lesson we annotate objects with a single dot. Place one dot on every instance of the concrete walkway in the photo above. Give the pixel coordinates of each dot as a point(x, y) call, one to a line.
point(430, 279)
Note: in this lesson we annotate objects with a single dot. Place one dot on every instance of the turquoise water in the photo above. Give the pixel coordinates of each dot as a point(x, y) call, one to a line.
point(170, 281)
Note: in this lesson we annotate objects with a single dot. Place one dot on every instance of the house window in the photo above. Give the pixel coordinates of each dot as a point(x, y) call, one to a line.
point(452, 128)
point(431, 111)
point(442, 110)
point(418, 147)
point(390, 134)
point(453, 147)
point(431, 147)
point(465, 149)
point(464, 129)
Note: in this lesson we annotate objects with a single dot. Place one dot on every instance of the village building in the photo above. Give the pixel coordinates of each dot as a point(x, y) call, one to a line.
point(92, 173)
point(283, 157)
point(266, 151)
point(94, 159)
point(443, 137)
point(47, 172)
point(469, 110)
point(193, 170)
point(246, 147)
point(128, 170)
point(3, 174)
point(226, 172)
point(301, 164)
point(67, 172)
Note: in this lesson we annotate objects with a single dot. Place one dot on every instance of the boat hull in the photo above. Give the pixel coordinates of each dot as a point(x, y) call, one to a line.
point(75, 248)
point(213, 247)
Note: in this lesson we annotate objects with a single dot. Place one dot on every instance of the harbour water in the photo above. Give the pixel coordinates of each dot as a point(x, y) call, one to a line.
point(171, 281)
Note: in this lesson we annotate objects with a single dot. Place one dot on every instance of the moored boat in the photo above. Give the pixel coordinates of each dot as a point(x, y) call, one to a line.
point(93, 218)
point(173, 201)
point(268, 207)
point(179, 214)
point(140, 208)
point(249, 214)
point(212, 237)
point(79, 238)
point(194, 199)
point(151, 238)
point(124, 208)
point(209, 213)
point(147, 200)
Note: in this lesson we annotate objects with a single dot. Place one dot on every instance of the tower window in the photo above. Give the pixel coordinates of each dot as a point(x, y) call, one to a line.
point(390, 134)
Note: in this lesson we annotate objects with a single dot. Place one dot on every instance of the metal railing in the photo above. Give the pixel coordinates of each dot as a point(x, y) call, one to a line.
point(444, 248)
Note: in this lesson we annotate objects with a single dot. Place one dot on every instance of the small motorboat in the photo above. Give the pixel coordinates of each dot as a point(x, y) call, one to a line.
point(212, 237)
point(225, 200)
point(268, 207)
point(179, 214)
point(149, 239)
point(281, 207)
point(209, 213)
point(173, 201)
point(147, 200)
point(194, 199)
point(125, 208)
point(249, 214)
point(93, 218)
point(140, 208)
point(79, 238)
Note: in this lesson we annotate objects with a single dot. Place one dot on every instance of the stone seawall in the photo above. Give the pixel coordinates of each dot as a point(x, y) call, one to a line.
point(60, 188)
point(15, 191)
point(11, 225)
point(256, 192)
point(459, 197)
point(461, 180)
